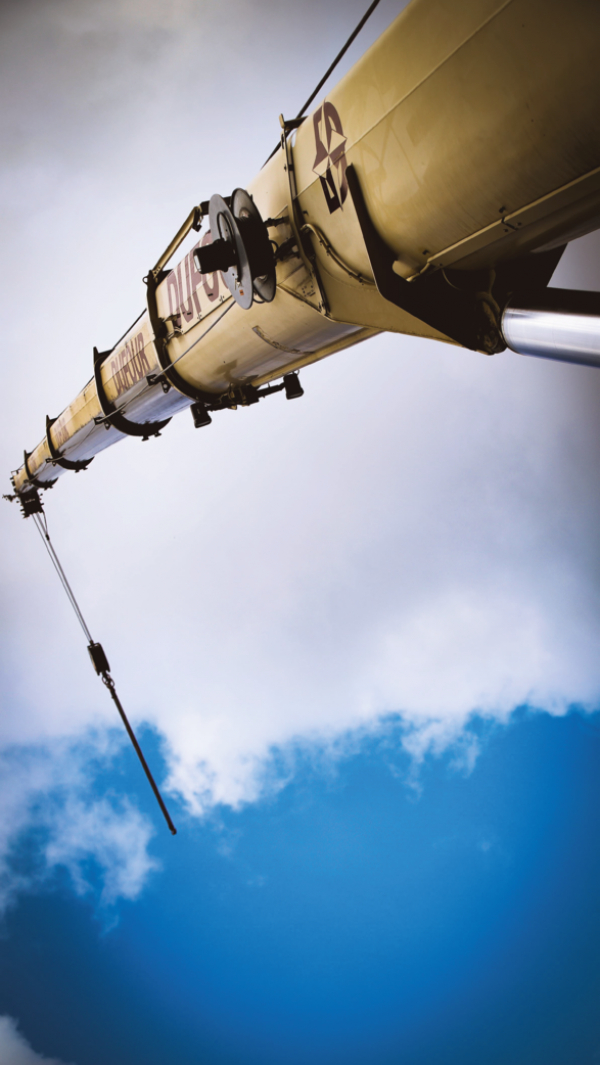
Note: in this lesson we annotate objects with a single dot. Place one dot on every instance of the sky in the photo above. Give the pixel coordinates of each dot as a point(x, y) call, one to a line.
point(357, 633)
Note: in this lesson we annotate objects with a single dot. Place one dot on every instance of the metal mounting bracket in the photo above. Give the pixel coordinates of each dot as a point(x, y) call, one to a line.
point(29, 502)
point(32, 480)
point(457, 314)
point(169, 372)
point(193, 221)
point(113, 416)
point(302, 239)
point(57, 458)
point(290, 124)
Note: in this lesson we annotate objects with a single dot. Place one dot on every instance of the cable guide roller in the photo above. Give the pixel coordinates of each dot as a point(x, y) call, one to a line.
point(240, 249)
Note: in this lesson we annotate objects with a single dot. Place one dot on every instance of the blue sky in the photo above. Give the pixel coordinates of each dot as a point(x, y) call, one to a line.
point(322, 617)
point(348, 918)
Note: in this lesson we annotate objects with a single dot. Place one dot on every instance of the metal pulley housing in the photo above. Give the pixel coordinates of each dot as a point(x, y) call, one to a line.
point(240, 249)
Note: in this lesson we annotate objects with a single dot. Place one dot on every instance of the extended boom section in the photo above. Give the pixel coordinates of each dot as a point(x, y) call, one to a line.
point(430, 193)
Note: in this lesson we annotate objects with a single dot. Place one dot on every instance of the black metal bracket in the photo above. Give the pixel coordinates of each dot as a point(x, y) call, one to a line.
point(242, 396)
point(113, 416)
point(159, 379)
point(98, 657)
point(29, 502)
point(302, 239)
point(57, 458)
point(458, 314)
point(288, 125)
point(237, 396)
point(169, 372)
point(32, 480)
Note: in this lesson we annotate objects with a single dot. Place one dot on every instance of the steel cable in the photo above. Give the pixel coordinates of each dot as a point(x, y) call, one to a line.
point(331, 69)
point(102, 670)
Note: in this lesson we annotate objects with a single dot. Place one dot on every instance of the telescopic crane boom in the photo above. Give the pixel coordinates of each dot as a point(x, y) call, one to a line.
point(430, 193)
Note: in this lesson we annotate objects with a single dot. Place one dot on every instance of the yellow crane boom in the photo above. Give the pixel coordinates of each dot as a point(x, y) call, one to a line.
point(431, 192)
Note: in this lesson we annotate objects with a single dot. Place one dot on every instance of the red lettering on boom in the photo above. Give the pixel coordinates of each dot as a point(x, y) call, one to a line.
point(130, 365)
point(196, 277)
point(60, 433)
point(190, 288)
point(212, 291)
point(116, 373)
point(144, 364)
point(135, 366)
point(187, 311)
point(173, 299)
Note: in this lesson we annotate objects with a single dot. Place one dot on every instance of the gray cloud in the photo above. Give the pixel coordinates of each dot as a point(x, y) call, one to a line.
point(14, 1048)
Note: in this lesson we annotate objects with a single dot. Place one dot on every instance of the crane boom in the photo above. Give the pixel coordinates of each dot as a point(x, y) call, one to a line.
point(430, 193)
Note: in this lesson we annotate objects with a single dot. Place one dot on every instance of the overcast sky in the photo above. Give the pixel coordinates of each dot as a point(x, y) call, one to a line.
point(416, 539)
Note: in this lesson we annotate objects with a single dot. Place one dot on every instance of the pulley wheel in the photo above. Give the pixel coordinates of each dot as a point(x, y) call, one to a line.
point(224, 226)
point(258, 246)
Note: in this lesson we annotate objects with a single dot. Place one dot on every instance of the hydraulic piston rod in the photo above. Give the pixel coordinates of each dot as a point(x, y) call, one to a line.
point(558, 324)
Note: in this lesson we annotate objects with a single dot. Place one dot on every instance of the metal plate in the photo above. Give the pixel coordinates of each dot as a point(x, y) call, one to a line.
point(238, 278)
point(245, 209)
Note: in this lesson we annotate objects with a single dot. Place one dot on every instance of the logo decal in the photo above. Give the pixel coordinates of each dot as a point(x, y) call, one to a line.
point(130, 364)
point(330, 160)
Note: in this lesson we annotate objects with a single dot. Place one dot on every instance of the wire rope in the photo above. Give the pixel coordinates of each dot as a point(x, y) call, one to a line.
point(331, 69)
point(99, 659)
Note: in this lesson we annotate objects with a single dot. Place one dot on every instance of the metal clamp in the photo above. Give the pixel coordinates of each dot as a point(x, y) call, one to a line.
point(303, 239)
point(112, 415)
point(55, 455)
point(169, 373)
point(457, 314)
point(32, 480)
point(193, 221)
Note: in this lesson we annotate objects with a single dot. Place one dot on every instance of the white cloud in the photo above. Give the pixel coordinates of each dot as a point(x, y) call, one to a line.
point(50, 791)
point(14, 1048)
point(418, 535)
